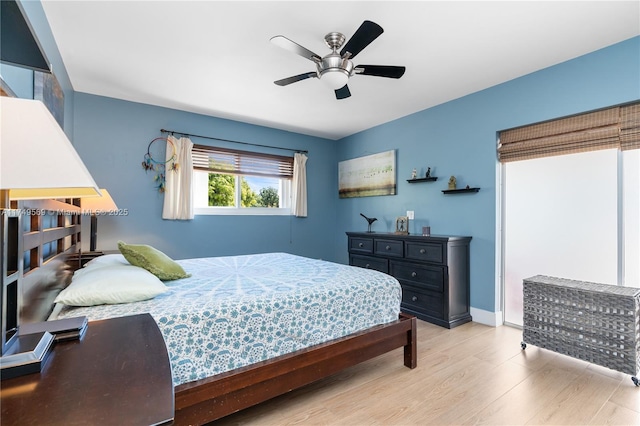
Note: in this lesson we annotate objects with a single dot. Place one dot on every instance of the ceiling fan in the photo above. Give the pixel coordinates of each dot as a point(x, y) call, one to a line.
point(335, 69)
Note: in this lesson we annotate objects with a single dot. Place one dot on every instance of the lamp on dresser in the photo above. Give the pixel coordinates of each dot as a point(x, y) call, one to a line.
point(37, 162)
point(96, 206)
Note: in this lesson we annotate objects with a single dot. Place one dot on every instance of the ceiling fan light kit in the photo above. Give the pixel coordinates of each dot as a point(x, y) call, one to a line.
point(335, 69)
point(334, 78)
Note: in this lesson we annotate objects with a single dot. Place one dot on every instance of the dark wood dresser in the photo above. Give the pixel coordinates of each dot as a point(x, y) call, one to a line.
point(433, 271)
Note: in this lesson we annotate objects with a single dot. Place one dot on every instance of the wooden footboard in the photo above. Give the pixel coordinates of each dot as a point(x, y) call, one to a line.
point(215, 397)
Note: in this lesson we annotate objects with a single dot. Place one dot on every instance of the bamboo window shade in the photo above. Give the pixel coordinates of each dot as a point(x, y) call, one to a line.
point(616, 127)
point(230, 161)
point(630, 127)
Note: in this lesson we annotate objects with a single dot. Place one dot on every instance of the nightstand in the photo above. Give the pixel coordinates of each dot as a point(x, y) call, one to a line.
point(119, 373)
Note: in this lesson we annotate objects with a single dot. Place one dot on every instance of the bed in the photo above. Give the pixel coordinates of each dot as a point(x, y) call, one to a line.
point(256, 326)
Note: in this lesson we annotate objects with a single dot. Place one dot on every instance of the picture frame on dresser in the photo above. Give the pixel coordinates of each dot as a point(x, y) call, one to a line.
point(402, 225)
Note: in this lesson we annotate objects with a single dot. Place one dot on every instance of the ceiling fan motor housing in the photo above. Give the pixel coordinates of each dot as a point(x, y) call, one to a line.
point(333, 62)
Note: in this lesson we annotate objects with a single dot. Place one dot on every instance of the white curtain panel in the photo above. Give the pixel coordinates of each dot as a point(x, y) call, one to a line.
point(299, 185)
point(178, 195)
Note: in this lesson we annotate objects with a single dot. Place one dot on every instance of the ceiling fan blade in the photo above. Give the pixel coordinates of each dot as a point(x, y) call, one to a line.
point(294, 47)
point(289, 80)
point(343, 92)
point(364, 35)
point(380, 70)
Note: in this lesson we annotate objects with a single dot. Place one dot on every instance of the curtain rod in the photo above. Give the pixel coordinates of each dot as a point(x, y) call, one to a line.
point(228, 140)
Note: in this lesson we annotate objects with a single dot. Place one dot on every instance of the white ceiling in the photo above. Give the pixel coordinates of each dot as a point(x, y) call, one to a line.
point(215, 58)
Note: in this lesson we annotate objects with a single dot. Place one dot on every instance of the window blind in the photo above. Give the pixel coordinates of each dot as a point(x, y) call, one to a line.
point(229, 161)
point(616, 127)
point(630, 127)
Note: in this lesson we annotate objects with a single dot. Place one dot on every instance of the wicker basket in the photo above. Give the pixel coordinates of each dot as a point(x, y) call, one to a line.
point(598, 323)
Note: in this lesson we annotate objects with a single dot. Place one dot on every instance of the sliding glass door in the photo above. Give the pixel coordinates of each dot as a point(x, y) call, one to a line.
point(573, 216)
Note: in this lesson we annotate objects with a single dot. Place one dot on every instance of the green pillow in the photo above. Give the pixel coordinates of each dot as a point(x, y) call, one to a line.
point(154, 261)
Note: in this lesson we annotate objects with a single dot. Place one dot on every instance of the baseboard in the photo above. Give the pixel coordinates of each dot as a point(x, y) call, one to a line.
point(493, 319)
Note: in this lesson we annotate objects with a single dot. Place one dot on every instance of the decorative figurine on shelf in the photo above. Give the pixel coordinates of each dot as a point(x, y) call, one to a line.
point(428, 175)
point(452, 182)
point(370, 220)
point(414, 174)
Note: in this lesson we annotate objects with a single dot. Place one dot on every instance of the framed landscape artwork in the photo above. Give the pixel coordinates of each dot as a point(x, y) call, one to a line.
point(368, 176)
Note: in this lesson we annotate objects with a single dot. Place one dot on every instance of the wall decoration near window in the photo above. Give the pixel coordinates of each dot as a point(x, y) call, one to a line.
point(47, 89)
point(156, 161)
point(368, 176)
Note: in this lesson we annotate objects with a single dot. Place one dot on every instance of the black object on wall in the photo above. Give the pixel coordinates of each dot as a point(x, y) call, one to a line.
point(18, 44)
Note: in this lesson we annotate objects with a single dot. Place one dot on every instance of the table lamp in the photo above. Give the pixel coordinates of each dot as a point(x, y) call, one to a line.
point(96, 206)
point(37, 161)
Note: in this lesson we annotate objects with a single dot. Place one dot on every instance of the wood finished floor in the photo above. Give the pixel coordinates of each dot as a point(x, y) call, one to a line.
point(472, 374)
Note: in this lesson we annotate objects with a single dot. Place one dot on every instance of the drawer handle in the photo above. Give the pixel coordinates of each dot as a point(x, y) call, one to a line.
point(422, 251)
point(367, 266)
point(360, 245)
point(414, 298)
point(387, 248)
point(414, 274)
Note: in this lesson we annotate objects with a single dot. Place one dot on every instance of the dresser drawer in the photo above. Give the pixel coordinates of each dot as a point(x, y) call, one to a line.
point(360, 245)
point(391, 248)
point(426, 252)
point(421, 276)
point(369, 262)
point(425, 302)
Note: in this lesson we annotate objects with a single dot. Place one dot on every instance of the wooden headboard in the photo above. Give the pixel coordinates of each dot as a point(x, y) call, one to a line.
point(37, 238)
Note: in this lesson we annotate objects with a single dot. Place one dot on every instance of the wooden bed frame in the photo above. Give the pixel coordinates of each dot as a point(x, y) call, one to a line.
point(203, 400)
point(215, 397)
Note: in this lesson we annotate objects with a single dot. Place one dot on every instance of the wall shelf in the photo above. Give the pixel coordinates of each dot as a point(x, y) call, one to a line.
point(459, 191)
point(426, 179)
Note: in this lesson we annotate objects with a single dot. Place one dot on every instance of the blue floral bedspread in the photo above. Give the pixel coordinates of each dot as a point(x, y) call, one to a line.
point(237, 310)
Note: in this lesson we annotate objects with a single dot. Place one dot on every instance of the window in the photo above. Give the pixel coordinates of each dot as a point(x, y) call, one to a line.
point(232, 182)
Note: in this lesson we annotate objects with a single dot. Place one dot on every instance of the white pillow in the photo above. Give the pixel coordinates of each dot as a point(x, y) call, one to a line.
point(101, 261)
point(107, 259)
point(110, 285)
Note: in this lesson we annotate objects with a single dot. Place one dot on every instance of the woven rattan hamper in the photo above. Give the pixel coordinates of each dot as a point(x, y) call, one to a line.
point(598, 323)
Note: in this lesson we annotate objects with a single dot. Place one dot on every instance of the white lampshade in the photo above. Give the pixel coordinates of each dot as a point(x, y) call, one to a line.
point(37, 160)
point(94, 205)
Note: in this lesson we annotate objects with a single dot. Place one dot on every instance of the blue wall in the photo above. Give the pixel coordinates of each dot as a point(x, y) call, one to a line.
point(459, 138)
point(456, 138)
point(19, 80)
point(112, 137)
